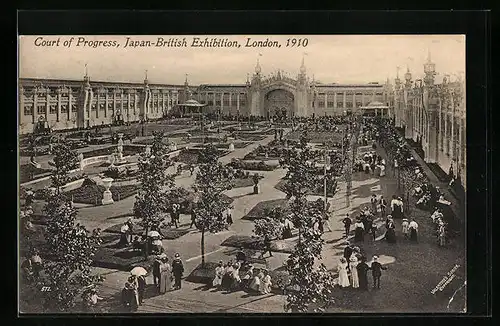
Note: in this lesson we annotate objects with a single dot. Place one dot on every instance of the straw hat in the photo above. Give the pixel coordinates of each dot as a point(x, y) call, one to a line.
point(375, 257)
point(177, 255)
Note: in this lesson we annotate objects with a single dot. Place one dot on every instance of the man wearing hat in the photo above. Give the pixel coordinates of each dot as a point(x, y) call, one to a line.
point(177, 270)
point(405, 227)
point(157, 270)
point(376, 272)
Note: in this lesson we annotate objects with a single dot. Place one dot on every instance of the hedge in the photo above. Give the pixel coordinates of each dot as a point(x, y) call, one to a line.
point(90, 193)
point(128, 150)
point(259, 210)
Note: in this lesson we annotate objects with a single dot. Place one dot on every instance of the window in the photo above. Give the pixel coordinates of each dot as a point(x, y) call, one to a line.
point(28, 110)
point(40, 109)
point(330, 104)
point(64, 108)
point(101, 107)
point(360, 94)
point(379, 94)
point(348, 104)
point(340, 104)
point(217, 102)
point(210, 102)
point(53, 109)
point(321, 104)
point(358, 104)
point(226, 102)
point(93, 107)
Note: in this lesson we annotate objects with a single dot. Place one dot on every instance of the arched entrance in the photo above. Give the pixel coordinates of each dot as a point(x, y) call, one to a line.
point(279, 103)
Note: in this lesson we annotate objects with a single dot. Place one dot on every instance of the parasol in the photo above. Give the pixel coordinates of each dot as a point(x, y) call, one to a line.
point(124, 229)
point(153, 234)
point(138, 271)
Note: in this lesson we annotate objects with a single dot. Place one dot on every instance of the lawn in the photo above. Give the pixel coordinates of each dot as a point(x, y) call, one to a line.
point(93, 194)
point(259, 210)
point(240, 183)
point(26, 170)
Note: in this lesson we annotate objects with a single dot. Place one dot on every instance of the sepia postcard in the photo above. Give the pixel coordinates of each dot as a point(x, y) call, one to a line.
point(242, 174)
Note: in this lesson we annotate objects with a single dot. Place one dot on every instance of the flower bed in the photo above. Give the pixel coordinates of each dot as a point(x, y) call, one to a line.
point(128, 150)
point(260, 210)
point(254, 243)
point(253, 166)
point(249, 137)
point(92, 194)
point(190, 156)
point(318, 191)
point(28, 170)
point(123, 260)
point(244, 182)
point(169, 233)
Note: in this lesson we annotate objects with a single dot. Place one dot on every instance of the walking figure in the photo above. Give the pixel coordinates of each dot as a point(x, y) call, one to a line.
point(177, 270)
point(347, 225)
point(376, 272)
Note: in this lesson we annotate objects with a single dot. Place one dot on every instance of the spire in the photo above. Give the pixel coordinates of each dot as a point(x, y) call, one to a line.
point(257, 66)
point(303, 66)
point(86, 71)
point(248, 78)
point(186, 80)
point(146, 77)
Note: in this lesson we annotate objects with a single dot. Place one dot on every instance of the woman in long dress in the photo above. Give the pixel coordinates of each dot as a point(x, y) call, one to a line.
point(227, 277)
point(165, 276)
point(359, 230)
point(354, 272)
point(235, 277)
point(219, 270)
point(131, 293)
point(342, 269)
point(265, 285)
point(390, 234)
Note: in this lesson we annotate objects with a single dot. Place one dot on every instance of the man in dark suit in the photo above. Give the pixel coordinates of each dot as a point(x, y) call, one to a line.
point(347, 254)
point(347, 225)
point(177, 270)
point(377, 272)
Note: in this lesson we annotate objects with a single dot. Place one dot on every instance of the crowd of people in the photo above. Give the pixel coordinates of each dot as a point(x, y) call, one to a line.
point(353, 269)
point(227, 278)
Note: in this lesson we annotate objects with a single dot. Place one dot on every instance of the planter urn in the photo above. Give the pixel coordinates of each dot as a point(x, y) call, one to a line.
point(107, 197)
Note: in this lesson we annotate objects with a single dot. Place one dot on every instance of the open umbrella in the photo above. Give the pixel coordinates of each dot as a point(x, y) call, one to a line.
point(124, 228)
point(153, 234)
point(138, 271)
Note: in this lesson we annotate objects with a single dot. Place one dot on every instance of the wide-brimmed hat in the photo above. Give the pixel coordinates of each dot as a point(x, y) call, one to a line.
point(375, 257)
point(405, 219)
point(177, 255)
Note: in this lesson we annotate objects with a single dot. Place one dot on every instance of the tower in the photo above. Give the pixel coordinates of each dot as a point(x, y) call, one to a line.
point(255, 93)
point(408, 81)
point(429, 70)
point(303, 96)
point(146, 98)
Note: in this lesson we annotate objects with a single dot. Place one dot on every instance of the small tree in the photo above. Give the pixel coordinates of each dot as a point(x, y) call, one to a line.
point(71, 246)
point(212, 180)
point(271, 226)
point(151, 201)
point(307, 283)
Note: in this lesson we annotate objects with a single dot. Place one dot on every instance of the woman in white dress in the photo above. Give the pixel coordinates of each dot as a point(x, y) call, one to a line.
point(255, 284)
point(219, 271)
point(354, 272)
point(342, 269)
point(265, 285)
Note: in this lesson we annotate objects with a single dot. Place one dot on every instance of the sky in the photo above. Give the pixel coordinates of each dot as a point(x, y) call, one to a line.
point(329, 58)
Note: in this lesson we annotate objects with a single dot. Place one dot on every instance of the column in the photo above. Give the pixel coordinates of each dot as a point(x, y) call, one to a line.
point(238, 102)
point(363, 101)
point(335, 100)
point(21, 104)
point(70, 98)
point(47, 105)
point(35, 105)
point(230, 103)
point(59, 99)
point(354, 106)
point(114, 101)
point(97, 104)
point(326, 102)
point(344, 98)
point(129, 98)
point(373, 97)
point(221, 102)
point(121, 103)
